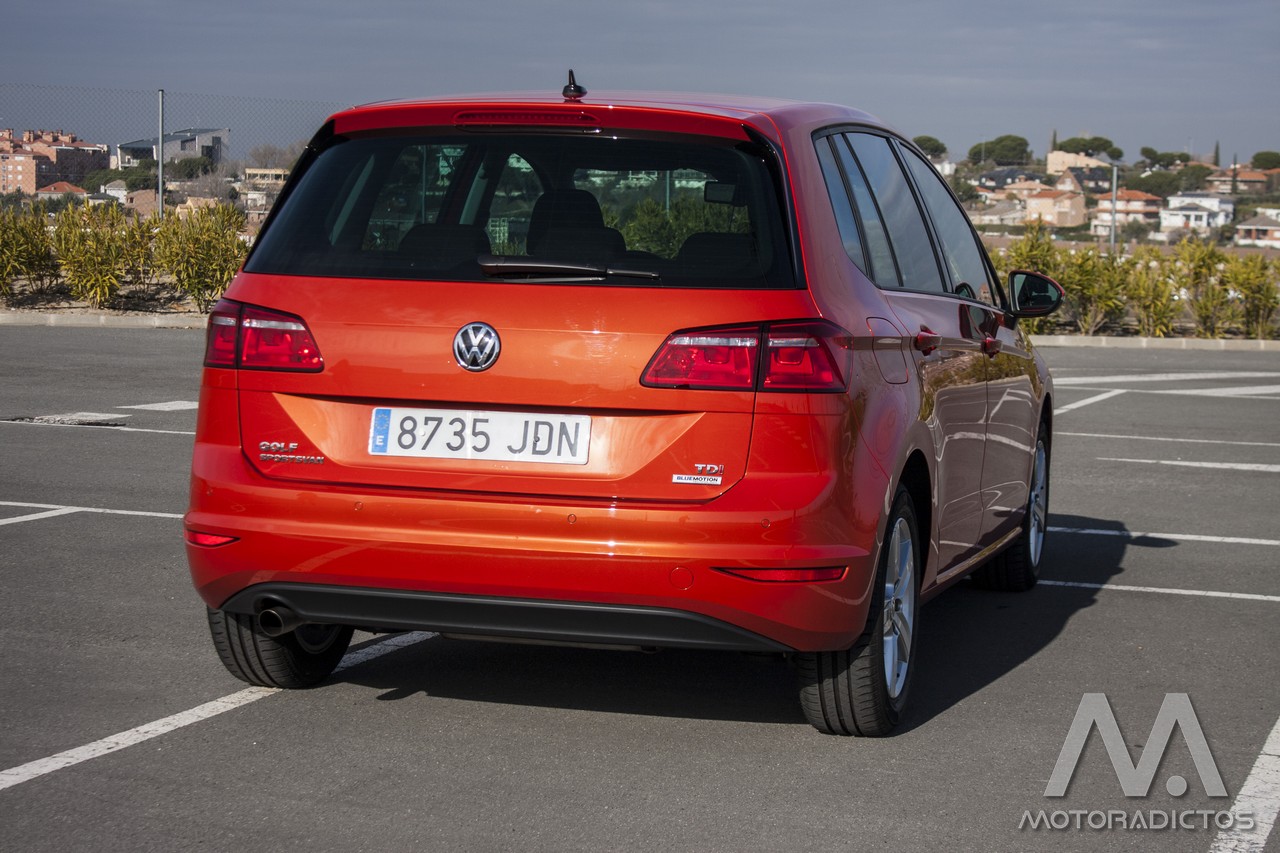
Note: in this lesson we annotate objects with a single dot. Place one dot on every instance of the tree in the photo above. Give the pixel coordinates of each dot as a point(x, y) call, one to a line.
point(1163, 184)
point(273, 157)
point(1216, 149)
point(1007, 150)
point(189, 168)
point(1193, 177)
point(1266, 160)
point(931, 146)
point(1093, 146)
point(964, 190)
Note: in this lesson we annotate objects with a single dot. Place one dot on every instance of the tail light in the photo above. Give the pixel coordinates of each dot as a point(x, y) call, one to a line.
point(253, 338)
point(808, 356)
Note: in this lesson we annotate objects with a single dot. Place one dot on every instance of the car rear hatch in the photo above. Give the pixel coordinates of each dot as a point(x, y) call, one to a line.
point(495, 310)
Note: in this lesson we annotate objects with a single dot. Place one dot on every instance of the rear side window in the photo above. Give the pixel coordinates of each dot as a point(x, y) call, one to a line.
point(671, 211)
point(964, 258)
point(910, 240)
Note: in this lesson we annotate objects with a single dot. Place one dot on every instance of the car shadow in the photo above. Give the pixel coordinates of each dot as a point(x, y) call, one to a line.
point(972, 637)
point(969, 639)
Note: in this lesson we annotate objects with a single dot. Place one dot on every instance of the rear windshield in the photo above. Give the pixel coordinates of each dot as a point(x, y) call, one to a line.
point(670, 211)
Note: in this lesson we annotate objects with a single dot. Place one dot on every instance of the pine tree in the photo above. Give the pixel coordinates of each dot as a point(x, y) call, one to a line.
point(1215, 154)
point(1053, 145)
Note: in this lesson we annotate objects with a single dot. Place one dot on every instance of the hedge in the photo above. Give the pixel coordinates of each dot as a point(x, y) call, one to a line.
point(95, 251)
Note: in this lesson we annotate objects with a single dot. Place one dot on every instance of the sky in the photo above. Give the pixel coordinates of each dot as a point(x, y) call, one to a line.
point(1176, 75)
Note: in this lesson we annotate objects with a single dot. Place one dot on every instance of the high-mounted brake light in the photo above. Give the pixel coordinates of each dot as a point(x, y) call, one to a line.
point(798, 356)
point(508, 118)
point(253, 338)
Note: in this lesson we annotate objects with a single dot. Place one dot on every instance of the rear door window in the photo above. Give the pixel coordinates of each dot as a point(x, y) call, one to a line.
point(912, 247)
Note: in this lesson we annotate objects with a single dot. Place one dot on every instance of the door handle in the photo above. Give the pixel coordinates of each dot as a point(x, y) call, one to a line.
point(928, 340)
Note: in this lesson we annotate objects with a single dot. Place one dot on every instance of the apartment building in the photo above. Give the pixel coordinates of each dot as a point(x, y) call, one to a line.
point(1130, 206)
point(37, 158)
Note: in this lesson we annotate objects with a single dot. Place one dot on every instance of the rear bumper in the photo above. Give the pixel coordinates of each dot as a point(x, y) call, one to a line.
point(525, 619)
point(598, 572)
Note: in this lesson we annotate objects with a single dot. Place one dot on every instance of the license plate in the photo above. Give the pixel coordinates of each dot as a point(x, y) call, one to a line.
point(496, 436)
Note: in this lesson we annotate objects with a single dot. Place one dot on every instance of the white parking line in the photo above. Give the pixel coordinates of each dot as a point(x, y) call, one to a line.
point(1162, 377)
point(1260, 794)
point(114, 743)
point(171, 406)
point(1165, 438)
point(1225, 466)
point(100, 428)
point(1184, 537)
point(37, 515)
point(1058, 410)
point(1201, 593)
point(66, 510)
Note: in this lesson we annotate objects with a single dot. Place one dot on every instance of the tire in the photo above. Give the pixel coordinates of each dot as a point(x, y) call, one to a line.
point(301, 658)
point(863, 690)
point(1017, 568)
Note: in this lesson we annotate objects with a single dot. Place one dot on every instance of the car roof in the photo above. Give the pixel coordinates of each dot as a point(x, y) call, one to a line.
point(784, 113)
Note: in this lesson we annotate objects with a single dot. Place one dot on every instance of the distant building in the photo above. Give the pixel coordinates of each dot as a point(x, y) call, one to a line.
point(1131, 206)
point(1023, 189)
point(1057, 208)
point(57, 190)
point(1262, 230)
point(1000, 178)
point(1237, 182)
point(267, 178)
point(1058, 162)
point(178, 145)
point(1197, 212)
point(1000, 213)
point(37, 158)
point(1080, 180)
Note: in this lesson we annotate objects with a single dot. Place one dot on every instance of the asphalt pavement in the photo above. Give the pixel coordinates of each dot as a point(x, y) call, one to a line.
point(123, 732)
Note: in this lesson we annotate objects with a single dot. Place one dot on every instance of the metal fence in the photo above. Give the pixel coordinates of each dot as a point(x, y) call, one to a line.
point(256, 126)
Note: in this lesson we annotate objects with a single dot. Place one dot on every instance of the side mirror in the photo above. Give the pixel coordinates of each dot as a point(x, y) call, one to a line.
point(1033, 295)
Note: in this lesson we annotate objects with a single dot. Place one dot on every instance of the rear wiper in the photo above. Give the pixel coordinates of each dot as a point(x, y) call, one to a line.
point(501, 265)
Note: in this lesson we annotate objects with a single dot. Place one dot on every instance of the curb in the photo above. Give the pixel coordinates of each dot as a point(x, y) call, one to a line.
point(1108, 342)
point(104, 319)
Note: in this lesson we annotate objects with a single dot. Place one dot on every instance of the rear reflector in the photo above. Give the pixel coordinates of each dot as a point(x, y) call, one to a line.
point(253, 338)
point(208, 540)
point(822, 575)
point(807, 355)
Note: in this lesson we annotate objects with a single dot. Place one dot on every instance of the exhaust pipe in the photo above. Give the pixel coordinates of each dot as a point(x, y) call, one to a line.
point(278, 621)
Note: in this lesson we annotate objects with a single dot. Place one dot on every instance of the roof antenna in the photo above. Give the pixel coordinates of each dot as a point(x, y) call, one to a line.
point(573, 92)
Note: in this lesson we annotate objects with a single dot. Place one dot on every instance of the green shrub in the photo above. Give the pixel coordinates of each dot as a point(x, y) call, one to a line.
point(1095, 287)
point(1252, 280)
point(1198, 268)
point(26, 250)
point(89, 242)
point(202, 251)
point(1151, 293)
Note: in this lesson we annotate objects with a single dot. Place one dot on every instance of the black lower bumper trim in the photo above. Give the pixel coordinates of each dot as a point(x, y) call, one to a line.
point(515, 618)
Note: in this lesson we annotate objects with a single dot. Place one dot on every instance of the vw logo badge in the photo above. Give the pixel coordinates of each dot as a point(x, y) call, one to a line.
point(476, 346)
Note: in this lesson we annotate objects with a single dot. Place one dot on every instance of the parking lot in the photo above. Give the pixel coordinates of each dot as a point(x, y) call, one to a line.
point(123, 732)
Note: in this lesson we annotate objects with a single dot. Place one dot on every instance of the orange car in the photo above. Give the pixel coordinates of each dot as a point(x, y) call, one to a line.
point(623, 371)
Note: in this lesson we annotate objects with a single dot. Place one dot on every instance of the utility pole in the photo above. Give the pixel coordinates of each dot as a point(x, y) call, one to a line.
point(1114, 212)
point(160, 159)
